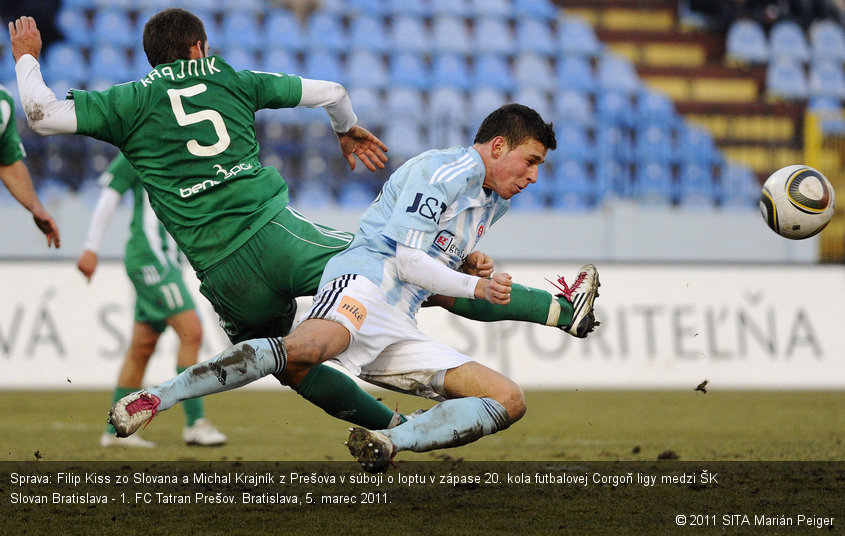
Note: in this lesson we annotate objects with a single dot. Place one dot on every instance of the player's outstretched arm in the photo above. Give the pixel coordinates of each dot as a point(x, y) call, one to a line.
point(17, 179)
point(365, 145)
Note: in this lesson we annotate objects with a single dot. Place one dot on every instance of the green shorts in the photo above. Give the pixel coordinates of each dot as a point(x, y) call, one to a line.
point(254, 290)
point(158, 296)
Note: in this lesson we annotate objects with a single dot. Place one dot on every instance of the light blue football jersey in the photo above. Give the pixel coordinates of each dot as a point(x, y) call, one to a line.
point(434, 202)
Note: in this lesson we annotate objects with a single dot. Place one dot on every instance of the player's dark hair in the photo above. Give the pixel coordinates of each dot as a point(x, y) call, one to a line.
point(516, 123)
point(170, 34)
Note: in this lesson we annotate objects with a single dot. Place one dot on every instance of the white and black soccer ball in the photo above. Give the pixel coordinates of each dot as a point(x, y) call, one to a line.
point(797, 202)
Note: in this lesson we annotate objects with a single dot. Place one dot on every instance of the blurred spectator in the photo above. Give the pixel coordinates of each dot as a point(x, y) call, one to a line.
point(302, 8)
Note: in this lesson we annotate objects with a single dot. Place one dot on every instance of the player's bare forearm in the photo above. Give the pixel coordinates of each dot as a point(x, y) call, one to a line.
point(25, 38)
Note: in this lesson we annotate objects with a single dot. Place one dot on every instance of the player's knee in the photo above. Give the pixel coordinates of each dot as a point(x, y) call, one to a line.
point(512, 399)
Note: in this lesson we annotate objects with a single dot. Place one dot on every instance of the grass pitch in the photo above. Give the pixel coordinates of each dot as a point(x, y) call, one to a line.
point(777, 458)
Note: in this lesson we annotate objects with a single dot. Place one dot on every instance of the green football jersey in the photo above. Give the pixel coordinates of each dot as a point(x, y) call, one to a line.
point(149, 245)
point(188, 128)
point(11, 148)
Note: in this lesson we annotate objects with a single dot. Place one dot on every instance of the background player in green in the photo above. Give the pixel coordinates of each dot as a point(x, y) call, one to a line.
point(14, 173)
point(153, 265)
point(188, 128)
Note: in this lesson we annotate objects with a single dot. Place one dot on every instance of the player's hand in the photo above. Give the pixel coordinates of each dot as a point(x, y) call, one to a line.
point(45, 222)
point(496, 290)
point(87, 263)
point(25, 37)
point(478, 263)
point(362, 143)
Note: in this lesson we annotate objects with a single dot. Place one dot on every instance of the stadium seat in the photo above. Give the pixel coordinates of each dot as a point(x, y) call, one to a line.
point(787, 41)
point(324, 65)
point(537, 36)
point(543, 10)
point(64, 60)
point(614, 107)
point(739, 187)
point(376, 8)
point(493, 35)
point(111, 63)
point(311, 194)
point(534, 70)
point(450, 35)
point(576, 72)
point(405, 104)
point(746, 42)
point(279, 60)
point(697, 187)
point(653, 142)
point(573, 143)
point(534, 98)
point(576, 36)
point(826, 79)
point(450, 70)
point(696, 145)
point(409, 69)
point(416, 9)
point(483, 101)
point(445, 104)
point(617, 73)
point(409, 34)
point(653, 183)
point(368, 105)
point(113, 27)
point(654, 107)
point(366, 69)
point(785, 79)
point(240, 58)
point(575, 107)
point(492, 70)
point(370, 33)
point(499, 9)
point(827, 41)
point(405, 139)
point(613, 180)
point(528, 201)
point(573, 188)
point(614, 142)
point(73, 23)
point(242, 29)
point(283, 30)
point(324, 31)
point(453, 8)
point(355, 194)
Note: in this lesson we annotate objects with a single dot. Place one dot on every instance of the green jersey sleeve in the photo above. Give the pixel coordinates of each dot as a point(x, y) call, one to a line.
point(273, 90)
point(11, 148)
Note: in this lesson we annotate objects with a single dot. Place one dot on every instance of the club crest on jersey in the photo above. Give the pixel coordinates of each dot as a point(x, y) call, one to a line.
point(353, 310)
point(444, 240)
point(480, 230)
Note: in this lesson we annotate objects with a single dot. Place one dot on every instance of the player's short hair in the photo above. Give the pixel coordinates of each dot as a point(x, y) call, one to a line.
point(516, 123)
point(170, 34)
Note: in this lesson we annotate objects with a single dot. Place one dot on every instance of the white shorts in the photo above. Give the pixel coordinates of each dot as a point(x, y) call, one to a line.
point(386, 347)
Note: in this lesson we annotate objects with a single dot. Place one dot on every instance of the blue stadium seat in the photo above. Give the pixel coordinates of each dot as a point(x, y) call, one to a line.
point(409, 34)
point(409, 69)
point(64, 60)
point(696, 146)
point(493, 35)
point(113, 27)
point(242, 29)
point(653, 142)
point(370, 33)
point(111, 63)
point(279, 60)
point(73, 23)
point(405, 139)
point(785, 79)
point(615, 107)
point(535, 9)
point(537, 36)
point(576, 72)
point(574, 187)
point(826, 79)
point(655, 107)
point(367, 7)
point(575, 107)
point(499, 9)
point(450, 35)
point(355, 194)
point(574, 143)
point(283, 30)
point(653, 183)
point(614, 142)
point(492, 70)
point(534, 70)
point(454, 8)
point(446, 103)
point(450, 70)
point(577, 37)
point(368, 105)
point(528, 201)
point(740, 189)
point(366, 69)
point(827, 41)
point(324, 65)
point(746, 42)
point(324, 31)
point(787, 41)
point(311, 194)
point(534, 98)
point(617, 73)
point(240, 58)
point(405, 104)
point(483, 101)
point(697, 187)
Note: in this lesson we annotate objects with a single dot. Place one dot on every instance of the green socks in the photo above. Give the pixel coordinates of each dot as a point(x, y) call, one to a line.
point(194, 408)
point(338, 395)
point(527, 305)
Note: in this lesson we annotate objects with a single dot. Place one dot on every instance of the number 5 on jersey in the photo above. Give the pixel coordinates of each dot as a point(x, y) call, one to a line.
point(185, 119)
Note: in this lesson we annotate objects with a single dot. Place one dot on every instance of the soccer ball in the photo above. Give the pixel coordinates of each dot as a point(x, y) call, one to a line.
point(797, 202)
